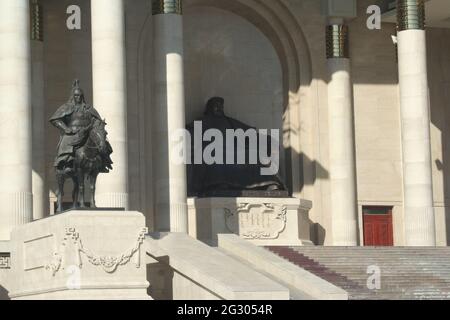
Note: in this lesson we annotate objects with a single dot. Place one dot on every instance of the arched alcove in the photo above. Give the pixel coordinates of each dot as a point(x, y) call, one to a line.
point(225, 55)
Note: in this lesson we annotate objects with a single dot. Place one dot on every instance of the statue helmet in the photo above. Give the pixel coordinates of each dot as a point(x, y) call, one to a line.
point(76, 88)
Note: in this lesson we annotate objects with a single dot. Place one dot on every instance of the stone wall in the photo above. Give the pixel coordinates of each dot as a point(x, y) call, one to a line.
point(377, 118)
point(439, 85)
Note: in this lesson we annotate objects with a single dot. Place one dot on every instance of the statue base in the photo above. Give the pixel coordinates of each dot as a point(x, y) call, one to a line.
point(80, 255)
point(262, 221)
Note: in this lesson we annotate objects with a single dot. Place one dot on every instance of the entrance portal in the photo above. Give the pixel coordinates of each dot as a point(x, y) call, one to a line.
point(378, 230)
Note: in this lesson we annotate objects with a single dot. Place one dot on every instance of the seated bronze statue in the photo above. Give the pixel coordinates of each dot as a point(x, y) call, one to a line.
point(229, 180)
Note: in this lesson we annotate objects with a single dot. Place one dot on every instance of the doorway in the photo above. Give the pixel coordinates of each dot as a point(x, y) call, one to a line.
point(378, 229)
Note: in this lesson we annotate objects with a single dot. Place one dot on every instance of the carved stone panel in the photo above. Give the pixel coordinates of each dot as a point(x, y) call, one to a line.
point(108, 263)
point(5, 261)
point(256, 221)
point(38, 251)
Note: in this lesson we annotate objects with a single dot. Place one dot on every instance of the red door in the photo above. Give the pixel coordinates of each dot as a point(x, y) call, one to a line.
point(378, 230)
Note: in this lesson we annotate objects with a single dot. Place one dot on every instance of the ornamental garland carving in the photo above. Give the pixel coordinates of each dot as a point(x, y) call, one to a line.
point(108, 263)
point(256, 221)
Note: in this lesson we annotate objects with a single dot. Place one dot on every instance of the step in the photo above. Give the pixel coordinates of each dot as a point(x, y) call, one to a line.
point(406, 273)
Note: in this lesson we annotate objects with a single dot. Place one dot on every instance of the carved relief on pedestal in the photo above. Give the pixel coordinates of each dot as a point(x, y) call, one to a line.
point(256, 221)
point(5, 261)
point(108, 263)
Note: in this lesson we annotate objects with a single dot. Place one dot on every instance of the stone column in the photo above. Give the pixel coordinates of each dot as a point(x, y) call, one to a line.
point(342, 167)
point(415, 118)
point(110, 99)
point(39, 123)
point(16, 202)
point(169, 115)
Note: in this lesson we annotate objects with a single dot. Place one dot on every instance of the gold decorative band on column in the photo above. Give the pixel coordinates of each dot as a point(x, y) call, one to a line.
point(410, 15)
point(167, 6)
point(37, 21)
point(337, 41)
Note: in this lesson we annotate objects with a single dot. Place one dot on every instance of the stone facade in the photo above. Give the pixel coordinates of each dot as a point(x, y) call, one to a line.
point(268, 59)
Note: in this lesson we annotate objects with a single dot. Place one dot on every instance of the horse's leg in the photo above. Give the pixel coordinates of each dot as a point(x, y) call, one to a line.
point(76, 191)
point(60, 192)
point(81, 189)
point(93, 182)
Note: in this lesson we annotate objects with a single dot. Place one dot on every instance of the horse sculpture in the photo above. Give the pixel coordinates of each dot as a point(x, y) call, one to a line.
point(91, 158)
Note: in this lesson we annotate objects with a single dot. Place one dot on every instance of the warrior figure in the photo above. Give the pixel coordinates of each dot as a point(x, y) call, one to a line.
point(83, 150)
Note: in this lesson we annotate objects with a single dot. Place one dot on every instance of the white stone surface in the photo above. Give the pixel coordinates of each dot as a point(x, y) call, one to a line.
point(263, 221)
point(206, 268)
point(5, 246)
point(420, 229)
point(15, 116)
point(168, 117)
point(295, 278)
point(344, 210)
point(110, 95)
point(80, 255)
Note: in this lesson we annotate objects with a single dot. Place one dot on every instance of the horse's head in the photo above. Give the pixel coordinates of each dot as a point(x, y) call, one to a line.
point(99, 135)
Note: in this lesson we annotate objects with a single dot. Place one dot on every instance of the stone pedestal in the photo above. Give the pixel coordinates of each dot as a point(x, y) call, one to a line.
point(80, 255)
point(262, 221)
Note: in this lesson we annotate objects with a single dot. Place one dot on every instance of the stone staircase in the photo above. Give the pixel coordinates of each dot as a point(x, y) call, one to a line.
point(406, 273)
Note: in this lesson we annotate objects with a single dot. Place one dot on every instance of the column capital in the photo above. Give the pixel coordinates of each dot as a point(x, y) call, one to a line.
point(167, 6)
point(337, 41)
point(410, 15)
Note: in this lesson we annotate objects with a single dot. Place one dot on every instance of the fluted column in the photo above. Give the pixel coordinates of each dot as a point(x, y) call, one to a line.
point(39, 123)
point(169, 107)
point(342, 139)
point(15, 116)
point(110, 99)
point(415, 117)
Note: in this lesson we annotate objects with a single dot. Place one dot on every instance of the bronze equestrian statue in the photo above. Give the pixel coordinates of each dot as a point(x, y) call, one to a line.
point(83, 150)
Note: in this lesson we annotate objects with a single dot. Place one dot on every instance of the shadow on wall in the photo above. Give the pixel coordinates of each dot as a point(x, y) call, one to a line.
point(3, 294)
point(310, 172)
point(318, 234)
point(438, 70)
point(160, 276)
